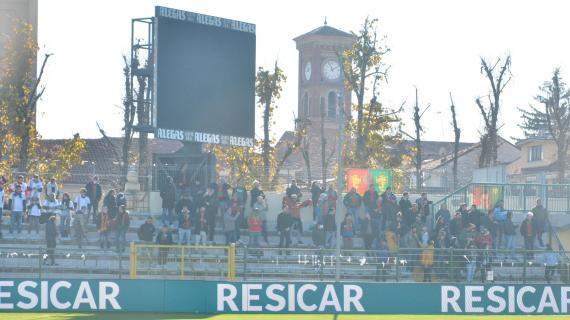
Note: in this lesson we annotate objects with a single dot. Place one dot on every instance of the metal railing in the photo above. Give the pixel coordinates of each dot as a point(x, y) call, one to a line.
point(181, 261)
point(516, 197)
point(149, 261)
point(402, 265)
point(33, 261)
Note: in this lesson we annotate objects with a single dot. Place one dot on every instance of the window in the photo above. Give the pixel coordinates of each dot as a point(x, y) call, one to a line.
point(332, 105)
point(535, 153)
point(305, 105)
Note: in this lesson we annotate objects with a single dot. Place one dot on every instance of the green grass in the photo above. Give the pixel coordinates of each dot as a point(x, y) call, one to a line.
point(149, 316)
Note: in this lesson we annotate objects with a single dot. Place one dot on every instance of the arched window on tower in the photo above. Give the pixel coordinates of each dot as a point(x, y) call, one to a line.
point(332, 102)
point(305, 105)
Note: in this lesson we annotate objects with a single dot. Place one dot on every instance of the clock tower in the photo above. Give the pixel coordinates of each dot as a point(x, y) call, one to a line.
point(321, 79)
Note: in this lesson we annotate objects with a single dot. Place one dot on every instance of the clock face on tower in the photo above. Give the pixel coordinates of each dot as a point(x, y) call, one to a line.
point(331, 70)
point(308, 71)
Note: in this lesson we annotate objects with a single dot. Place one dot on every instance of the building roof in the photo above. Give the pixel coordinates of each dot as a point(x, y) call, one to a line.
point(325, 30)
point(99, 156)
point(448, 157)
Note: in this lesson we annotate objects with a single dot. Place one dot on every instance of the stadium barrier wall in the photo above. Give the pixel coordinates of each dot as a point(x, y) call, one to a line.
point(208, 297)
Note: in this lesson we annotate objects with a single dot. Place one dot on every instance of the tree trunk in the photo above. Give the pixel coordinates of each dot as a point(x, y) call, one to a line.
point(143, 119)
point(266, 145)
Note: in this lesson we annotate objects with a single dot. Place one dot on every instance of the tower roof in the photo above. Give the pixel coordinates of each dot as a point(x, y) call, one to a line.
point(325, 30)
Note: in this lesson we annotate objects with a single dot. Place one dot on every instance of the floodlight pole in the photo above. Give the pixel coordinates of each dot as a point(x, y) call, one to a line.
point(340, 177)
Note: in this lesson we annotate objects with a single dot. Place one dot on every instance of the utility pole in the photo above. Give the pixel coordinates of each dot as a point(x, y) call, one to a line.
point(340, 177)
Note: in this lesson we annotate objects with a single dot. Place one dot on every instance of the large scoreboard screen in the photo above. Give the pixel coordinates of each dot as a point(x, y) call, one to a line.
point(204, 78)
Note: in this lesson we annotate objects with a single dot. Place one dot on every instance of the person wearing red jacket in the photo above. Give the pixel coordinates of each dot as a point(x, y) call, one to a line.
point(294, 206)
point(254, 228)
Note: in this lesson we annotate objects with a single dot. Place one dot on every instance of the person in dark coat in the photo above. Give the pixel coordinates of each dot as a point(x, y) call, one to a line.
point(316, 191)
point(168, 196)
point(540, 218)
point(51, 236)
point(164, 237)
point(94, 192)
point(146, 231)
point(110, 203)
point(209, 201)
point(284, 223)
point(293, 189)
point(528, 231)
point(255, 193)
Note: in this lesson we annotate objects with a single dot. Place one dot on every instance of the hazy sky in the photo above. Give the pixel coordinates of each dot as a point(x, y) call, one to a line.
point(435, 46)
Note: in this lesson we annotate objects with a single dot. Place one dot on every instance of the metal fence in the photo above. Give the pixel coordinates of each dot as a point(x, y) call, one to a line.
point(403, 265)
point(18, 261)
point(181, 262)
point(148, 261)
point(516, 197)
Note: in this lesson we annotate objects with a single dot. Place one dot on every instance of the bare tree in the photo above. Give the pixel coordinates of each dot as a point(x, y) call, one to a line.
point(552, 119)
point(499, 75)
point(27, 114)
point(457, 134)
point(417, 138)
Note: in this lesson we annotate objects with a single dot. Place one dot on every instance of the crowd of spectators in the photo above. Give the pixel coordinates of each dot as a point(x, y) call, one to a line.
point(40, 204)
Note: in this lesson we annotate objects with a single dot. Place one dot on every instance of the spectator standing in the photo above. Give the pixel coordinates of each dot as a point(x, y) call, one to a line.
point(163, 238)
point(168, 196)
point(316, 192)
point(65, 215)
point(255, 193)
point(295, 206)
point(17, 206)
point(122, 227)
point(471, 262)
point(366, 232)
point(201, 227)
point(389, 207)
point(284, 224)
point(51, 236)
point(474, 216)
point(52, 188)
point(352, 202)
point(423, 206)
point(82, 204)
point(240, 195)
point(110, 204)
point(34, 213)
point(332, 196)
point(293, 189)
point(254, 223)
point(551, 260)
point(23, 186)
point(146, 231)
point(209, 201)
point(320, 208)
point(347, 230)
point(94, 192)
point(540, 219)
point(528, 232)
point(185, 227)
point(230, 217)
point(456, 225)
point(105, 229)
point(426, 259)
point(223, 196)
point(51, 206)
point(500, 216)
point(260, 209)
point(443, 214)
point(35, 186)
point(184, 202)
point(330, 227)
point(510, 233)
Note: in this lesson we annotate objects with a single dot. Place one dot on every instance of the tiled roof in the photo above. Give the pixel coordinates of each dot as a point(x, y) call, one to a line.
point(326, 30)
point(99, 157)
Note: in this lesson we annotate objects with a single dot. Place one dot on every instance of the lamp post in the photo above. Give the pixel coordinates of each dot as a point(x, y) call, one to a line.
point(340, 177)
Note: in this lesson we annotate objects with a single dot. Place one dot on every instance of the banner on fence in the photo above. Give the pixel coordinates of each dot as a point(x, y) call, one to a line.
point(207, 297)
